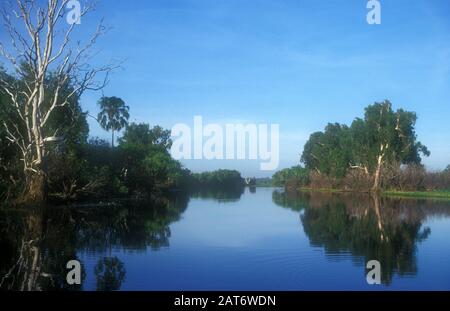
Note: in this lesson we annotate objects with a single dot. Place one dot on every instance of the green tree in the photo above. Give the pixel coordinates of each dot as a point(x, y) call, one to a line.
point(113, 115)
point(68, 124)
point(328, 152)
point(9, 153)
point(223, 179)
point(296, 174)
point(44, 54)
point(384, 137)
point(66, 130)
point(147, 160)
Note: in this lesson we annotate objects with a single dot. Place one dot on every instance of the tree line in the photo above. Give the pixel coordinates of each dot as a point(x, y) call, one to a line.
point(45, 150)
point(79, 167)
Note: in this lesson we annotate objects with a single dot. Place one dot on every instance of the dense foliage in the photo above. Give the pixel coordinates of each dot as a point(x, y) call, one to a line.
point(296, 176)
point(66, 129)
point(82, 168)
point(357, 155)
point(224, 179)
point(379, 151)
point(38, 242)
point(147, 163)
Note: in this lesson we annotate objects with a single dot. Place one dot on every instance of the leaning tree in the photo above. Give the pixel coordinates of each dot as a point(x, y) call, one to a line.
point(41, 47)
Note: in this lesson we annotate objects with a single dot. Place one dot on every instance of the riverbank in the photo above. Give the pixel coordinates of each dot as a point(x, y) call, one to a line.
point(420, 194)
point(391, 193)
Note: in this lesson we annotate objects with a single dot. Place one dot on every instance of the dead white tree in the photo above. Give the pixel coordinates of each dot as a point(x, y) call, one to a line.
point(40, 45)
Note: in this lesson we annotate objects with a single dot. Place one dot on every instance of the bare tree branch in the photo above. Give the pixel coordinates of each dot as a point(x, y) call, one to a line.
point(37, 51)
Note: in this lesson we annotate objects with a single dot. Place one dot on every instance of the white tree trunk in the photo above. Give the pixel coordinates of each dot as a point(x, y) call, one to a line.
point(36, 49)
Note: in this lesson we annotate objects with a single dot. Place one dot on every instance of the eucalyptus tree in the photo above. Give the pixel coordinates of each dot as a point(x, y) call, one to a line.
point(113, 115)
point(382, 137)
point(328, 152)
point(40, 45)
point(8, 151)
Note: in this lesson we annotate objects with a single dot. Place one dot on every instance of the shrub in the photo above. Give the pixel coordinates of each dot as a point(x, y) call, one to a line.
point(321, 181)
point(357, 180)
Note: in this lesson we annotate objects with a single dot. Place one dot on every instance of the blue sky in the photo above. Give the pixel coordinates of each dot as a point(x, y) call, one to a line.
point(298, 63)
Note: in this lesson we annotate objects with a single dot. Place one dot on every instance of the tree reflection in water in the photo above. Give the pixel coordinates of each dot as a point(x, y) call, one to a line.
point(109, 273)
point(369, 227)
point(37, 242)
point(218, 194)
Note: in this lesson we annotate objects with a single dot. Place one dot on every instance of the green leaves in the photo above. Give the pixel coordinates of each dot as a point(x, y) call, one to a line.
point(296, 173)
point(113, 115)
point(222, 179)
point(329, 152)
point(383, 136)
point(142, 136)
point(147, 158)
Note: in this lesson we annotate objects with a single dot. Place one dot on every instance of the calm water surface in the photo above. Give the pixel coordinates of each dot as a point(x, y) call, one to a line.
point(260, 239)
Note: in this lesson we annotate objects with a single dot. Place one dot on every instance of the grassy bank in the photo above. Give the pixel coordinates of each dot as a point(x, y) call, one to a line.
point(406, 194)
point(326, 190)
point(419, 194)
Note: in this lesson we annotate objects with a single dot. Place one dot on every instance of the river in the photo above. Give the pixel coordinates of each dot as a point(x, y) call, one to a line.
point(255, 239)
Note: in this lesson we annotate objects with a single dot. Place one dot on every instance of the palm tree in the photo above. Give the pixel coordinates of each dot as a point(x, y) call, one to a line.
point(113, 114)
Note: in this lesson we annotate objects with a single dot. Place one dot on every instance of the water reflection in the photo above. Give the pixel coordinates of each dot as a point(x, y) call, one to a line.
point(37, 242)
point(221, 195)
point(369, 227)
point(109, 274)
point(125, 244)
point(131, 225)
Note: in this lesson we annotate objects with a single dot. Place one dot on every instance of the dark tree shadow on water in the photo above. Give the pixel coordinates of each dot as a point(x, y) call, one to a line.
point(223, 195)
point(368, 227)
point(36, 245)
point(37, 242)
point(109, 273)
